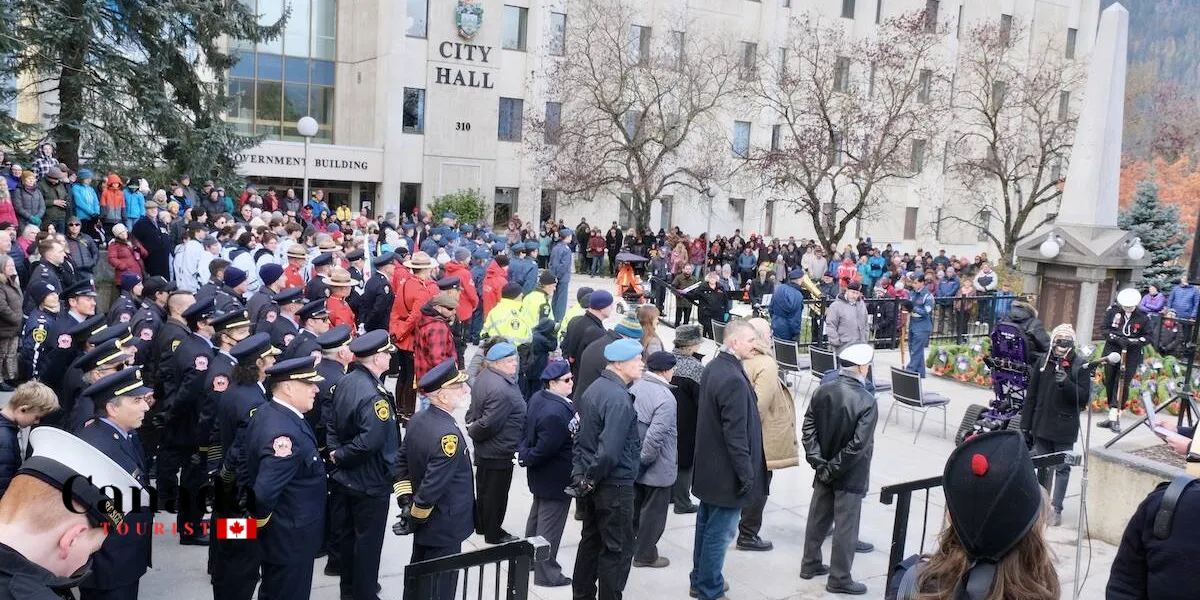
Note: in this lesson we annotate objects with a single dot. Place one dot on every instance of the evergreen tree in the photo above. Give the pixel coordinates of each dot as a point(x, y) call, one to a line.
point(136, 84)
point(1161, 232)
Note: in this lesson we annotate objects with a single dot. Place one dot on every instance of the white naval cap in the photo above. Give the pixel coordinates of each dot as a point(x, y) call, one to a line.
point(68, 463)
point(1129, 297)
point(857, 354)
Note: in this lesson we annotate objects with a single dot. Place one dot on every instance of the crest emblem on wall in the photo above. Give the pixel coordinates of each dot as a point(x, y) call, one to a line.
point(468, 15)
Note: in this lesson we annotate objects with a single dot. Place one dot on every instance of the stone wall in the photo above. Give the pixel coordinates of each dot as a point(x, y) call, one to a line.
point(1118, 482)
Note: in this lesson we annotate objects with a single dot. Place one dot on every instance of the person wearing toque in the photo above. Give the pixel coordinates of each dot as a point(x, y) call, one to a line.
point(285, 471)
point(507, 319)
point(314, 321)
point(495, 422)
point(586, 329)
point(129, 300)
point(846, 319)
point(657, 426)
point(364, 443)
point(120, 403)
point(545, 451)
point(839, 440)
point(434, 490)
point(604, 466)
point(593, 362)
point(261, 304)
point(46, 546)
point(230, 296)
point(576, 309)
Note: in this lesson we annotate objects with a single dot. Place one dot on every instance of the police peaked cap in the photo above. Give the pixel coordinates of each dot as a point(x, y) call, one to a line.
point(231, 320)
point(292, 295)
point(87, 327)
point(302, 369)
point(119, 332)
point(334, 338)
point(355, 254)
point(123, 383)
point(372, 343)
point(444, 374)
point(313, 310)
point(83, 288)
point(253, 348)
point(105, 353)
point(202, 309)
point(384, 259)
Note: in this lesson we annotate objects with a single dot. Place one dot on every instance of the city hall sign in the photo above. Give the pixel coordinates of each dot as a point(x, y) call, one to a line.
point(468, 17)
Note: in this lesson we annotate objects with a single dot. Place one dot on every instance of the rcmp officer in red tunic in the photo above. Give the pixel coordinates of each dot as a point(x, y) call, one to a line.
point(287, 475)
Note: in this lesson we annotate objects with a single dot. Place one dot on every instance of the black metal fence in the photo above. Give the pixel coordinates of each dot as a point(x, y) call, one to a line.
point(500, 572)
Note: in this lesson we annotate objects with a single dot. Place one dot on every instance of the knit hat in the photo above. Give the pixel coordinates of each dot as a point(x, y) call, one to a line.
point(1064, 331)
point(234, 277)
point(129, 281)
point(629, 327)
point(511, 291)
point(270, 273)
point(119, 228)
point(688, 335)
point(461, 254)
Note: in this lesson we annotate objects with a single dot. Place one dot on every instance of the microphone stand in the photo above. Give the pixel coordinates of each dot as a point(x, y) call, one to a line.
point(1084, 461)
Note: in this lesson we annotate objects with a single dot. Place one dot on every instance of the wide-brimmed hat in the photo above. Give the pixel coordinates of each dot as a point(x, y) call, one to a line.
point(420, 260)
point(339, 277)
point(297, 251)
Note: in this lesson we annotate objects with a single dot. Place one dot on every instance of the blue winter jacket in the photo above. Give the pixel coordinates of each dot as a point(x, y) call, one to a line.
point(10, 452)
point(787, 305)
point(747, 262)
point(87, 202)
point(947, 289)
point(1184, 300)
point(135, 204)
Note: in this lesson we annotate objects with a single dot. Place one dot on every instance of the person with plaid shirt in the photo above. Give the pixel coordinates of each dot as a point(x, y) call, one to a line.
point(434, 340)
point(44, 160)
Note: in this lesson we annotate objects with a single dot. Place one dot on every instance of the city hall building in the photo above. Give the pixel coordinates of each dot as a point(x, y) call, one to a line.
point(420, 98)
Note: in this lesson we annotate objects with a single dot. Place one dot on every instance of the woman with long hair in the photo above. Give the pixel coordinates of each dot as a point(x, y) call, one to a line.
point(647, 315)
point(10, 322)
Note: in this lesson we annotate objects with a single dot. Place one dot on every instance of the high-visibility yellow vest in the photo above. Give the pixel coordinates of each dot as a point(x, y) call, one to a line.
point(507, 320)
point(537, 307)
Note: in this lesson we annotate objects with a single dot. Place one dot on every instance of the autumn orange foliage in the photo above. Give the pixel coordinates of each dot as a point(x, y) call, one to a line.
point(1178, 184)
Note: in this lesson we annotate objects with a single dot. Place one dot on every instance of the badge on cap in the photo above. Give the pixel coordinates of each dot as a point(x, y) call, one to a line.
point(381, 409)
point(201, 363)
point(220, 383)
point(282, 446)
point(64, 341)
point(449, 444)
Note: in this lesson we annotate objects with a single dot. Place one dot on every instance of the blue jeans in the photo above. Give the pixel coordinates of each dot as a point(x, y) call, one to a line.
point(597, 263)
point(918, 340)
point(715, 529)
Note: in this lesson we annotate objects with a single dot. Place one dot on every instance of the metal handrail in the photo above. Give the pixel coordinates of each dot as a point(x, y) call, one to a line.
point(520, 556)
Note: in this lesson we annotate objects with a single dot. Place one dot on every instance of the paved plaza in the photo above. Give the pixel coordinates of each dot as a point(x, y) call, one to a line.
point(179, 572)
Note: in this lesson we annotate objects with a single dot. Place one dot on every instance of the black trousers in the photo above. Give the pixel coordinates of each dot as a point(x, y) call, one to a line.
point(462, 333)
point(681, 492)
point(234, 564)
point(129, 592)
point(442, 586)
point(180, 479)
point(650, 520)
point(841, 511)
point(683, 313)
point(363, 543)
point(752, 515)
point(286, 582)
point(406, 394)
point(492, 482)
point(336, 529)
point(606, 547)
point(1112, 372)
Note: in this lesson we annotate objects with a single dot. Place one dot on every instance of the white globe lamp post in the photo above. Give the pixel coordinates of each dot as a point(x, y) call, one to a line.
point(307, 127)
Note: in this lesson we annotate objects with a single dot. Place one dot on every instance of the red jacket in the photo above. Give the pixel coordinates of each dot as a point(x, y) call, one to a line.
point(434, 342)
point(126, 258)
point(8, 213)
point(469, 299)
point(493, 284)
point(411, 295)
point(846, 272)
point(340, 313)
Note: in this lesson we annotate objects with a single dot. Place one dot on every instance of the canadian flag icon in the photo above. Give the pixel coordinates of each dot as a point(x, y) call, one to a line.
point(236, 529)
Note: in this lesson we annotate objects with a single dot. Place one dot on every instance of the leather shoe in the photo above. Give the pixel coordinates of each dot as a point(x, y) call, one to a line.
point(503, 539)
point(657, 563)
point(332, 571)
point(564, 581)
point(852, 588)
point(194, 540)
point(822, 570)
point(754, 544)
point(693, 593)
point(686, 510)
point(862, 547)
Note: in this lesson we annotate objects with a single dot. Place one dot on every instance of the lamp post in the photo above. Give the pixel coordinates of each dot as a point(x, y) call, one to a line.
point(307, 127)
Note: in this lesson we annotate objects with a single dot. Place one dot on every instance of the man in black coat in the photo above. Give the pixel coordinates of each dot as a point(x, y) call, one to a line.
point(585, 329)
point(839, 439)
point(731, 469)
point(546, 453)
point(156, 237)
point(1058, 392)
point(1147, 566)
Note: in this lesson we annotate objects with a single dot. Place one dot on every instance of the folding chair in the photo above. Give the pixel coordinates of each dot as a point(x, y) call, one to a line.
point(822, 362)
point(907, 394)
point(718, 328)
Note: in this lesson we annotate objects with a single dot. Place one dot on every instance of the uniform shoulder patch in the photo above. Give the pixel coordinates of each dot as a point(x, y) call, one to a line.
point(382, 410)
point(175, 345)
point(282, 446)
point(64, 341)
point(220, 383)
point(125, 317)
point(201, 363)
point(449, 445)
point(387, 289)
point(146, 334)
point(287, 339)
point(39, 334)
point(271, 315)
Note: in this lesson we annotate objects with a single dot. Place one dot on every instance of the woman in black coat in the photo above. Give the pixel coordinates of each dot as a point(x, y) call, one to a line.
point(712, 301)
point(156, 237)
point(686, 382)
point(1058, 391)
point(545, 451)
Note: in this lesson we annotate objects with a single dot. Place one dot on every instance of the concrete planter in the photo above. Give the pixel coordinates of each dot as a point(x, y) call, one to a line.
point(1118, 482)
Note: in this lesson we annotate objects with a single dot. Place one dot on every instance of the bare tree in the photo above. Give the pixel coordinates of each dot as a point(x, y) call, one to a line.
point(1013, 137)
point(853, 117)
point(638, 109)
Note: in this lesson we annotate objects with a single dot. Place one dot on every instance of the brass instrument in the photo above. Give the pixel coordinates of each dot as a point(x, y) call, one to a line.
point(814, 294)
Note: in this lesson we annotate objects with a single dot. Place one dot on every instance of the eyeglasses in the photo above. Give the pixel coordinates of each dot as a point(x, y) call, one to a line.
point(74, 225)
point(567, 379)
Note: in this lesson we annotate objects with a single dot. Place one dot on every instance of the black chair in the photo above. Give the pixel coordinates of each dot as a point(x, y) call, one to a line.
point(718, 328)
point(787, 355)
point(907, 394)
point(822, 362)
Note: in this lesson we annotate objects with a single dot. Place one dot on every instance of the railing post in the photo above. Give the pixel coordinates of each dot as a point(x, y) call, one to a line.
point(899, 532)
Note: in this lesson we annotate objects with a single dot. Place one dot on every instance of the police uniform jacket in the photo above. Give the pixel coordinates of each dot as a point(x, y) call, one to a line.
point(21, 579)
point(282, 331)
point(258, 305)
point(363, 437)
point(123, 309)
point(143, 327)
point(523, 272)
point(60, 351)
point(435, 459)
point(288, 478)
point(34, 337)
point(228, 454)
point(355, 298)
point(216, 383)
point(315, 288)
point(186, 390)
point(167, 339)
point(302, 345)
point(375, 306)
point(321, 415)
point(74, 408)
point(227, 300)
point(123, 559)
point(208, 291)
point(43, 273)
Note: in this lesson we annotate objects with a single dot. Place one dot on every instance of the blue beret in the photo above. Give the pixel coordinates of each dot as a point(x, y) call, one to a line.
point(555, 369)
point(600, 299)
point(622, 350)
point(501, 351)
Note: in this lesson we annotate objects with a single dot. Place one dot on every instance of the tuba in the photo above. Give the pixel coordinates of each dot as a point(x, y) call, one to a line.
point(814, 293)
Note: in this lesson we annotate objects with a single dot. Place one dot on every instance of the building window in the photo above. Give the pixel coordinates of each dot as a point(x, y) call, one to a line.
point(549, 203)
point(776, 137)
point(504, 206)
point(630, 124)
point(749, 59)
point(916, 161)
point(516, 21)
point(666, 204)
point(1064, 105)
point(999, 90)
point(737, 206)
point(553, 122)
point(787, 3)
point(1006, 29)
point(510, 119)
point(418, 18)
point(625, 214)
point(769, 219)
point(558, 34)
point(783, 62)
point(985, 224)
point(410, 197)
point(910, 223)
point(841, 74)
point(414, 110)
point(847, 9)
point(931, 15)
point(677, 41)
point(1072, 34)
point(639, 44)
point(1056, 169)
point(925, 86)
point(741, 139)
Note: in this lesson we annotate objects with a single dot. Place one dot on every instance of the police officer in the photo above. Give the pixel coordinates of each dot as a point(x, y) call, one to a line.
point(375, 306)
point(355, 260)
point(57, 365)
point(314, 320)
point(228, 330)
point(165, 340)
point(364, 441)
point(236, 563)
point(229, 296)
point(36, 331)
point(149, 317)
point(128, 302)
point(261, 305)
point(121, 401)
point(437, 498)
point(180, 467)
point(288, 478)
point(335, 359)
point(286, 324)
point(216, 279)
point(79, 305)
point(103, 360)
point(315, 288)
